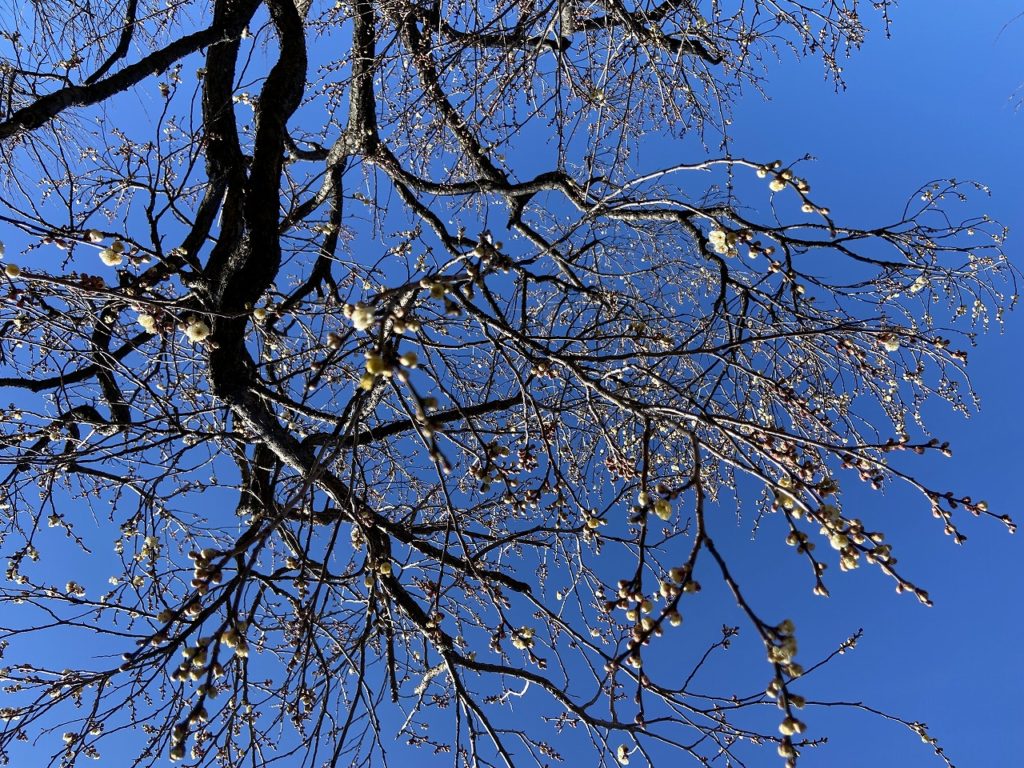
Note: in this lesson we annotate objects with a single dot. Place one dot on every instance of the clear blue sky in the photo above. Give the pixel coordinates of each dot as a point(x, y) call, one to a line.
point(936, 100)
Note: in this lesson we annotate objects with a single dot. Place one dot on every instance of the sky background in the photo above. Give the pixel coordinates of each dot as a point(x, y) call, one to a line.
point(937, 100)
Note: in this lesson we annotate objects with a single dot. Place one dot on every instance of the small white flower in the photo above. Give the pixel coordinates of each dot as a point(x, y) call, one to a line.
point(110, 257)
point(12, 270)
point(94, 236)
point(148, 322)
point(777, 184)
point(196, 331)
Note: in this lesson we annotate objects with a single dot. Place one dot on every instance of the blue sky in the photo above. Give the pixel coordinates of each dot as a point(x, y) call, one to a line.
point(937, 100)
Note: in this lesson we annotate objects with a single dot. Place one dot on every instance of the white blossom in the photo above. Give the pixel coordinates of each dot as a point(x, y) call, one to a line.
point(362, 317)
point(110, 257)
point(197, 330)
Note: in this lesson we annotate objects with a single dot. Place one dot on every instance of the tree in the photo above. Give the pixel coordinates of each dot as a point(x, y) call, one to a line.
point(407, 389)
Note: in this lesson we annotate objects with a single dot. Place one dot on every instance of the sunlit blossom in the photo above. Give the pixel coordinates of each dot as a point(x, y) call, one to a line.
point(197, 330)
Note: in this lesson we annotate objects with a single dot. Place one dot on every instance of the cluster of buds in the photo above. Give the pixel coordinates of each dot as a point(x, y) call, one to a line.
point(195, 664)
point(921, 729)
point(846, 538)
point(204, 572)
point(785, 498)
point(781, 177)
point(11, 572)
point(401, 324)
point(522, 638)
point(437, 288)
point(74, 589)
point(661, 507)
point(628, 593)
point(799, 540)
point(114, 255)
point(827, 487)
point(724, 242)
point(380, 365)
point(782, 648)
point(179, 734)
point(638, 608)
point(544, 369)
point(490, 470)
point(790, 725)
point(361, 315)
point(488, 250)
point(233, 638)
point(150, 549)
point(880, 553)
